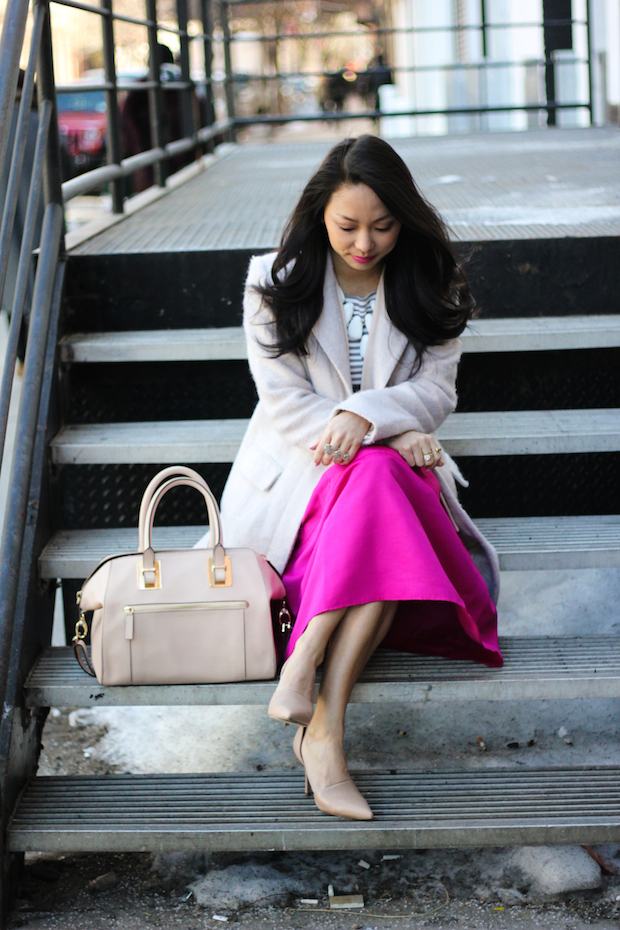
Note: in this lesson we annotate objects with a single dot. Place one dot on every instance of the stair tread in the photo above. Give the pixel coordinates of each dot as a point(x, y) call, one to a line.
point(269, 811)
point(538, 667)
point(512, 432)
point(493, 335)
point(522, 542)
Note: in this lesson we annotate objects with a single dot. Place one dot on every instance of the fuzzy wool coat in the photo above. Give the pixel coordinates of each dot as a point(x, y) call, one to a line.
point(273, 476)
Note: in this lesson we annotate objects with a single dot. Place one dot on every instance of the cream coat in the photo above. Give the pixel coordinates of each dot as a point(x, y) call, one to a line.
point(273, 476)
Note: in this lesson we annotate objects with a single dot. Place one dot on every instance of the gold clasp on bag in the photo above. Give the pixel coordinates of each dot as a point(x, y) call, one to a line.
point(214, 582)
point(143, 584)
point(81, 628)
point(285, 619)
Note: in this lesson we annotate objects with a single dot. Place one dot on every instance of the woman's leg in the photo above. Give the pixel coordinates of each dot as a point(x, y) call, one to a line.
point(353, 641)
point(299, 672)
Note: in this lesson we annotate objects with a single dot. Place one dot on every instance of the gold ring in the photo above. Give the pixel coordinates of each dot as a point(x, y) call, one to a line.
point(429, 455)
point(437, 449)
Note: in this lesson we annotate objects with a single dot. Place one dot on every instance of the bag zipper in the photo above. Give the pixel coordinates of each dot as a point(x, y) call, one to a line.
point(130, 610)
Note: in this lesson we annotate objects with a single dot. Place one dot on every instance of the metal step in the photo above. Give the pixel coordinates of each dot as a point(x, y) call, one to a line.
point(505, 433)
point(535, 668)
point(170, 345)
point(165, 813)
point(523, 543)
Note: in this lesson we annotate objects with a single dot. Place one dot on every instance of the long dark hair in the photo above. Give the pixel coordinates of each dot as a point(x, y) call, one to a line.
point(427, 296)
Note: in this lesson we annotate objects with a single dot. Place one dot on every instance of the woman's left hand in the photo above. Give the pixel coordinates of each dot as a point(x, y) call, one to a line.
point(343, 438)
point(417, 449)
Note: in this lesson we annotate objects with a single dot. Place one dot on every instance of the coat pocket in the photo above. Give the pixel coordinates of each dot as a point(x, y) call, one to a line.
point(259, 467)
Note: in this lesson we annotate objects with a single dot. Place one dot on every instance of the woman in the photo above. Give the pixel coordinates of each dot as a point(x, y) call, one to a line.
point(352, 330)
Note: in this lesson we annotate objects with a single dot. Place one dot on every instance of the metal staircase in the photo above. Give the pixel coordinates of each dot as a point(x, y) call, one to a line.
point(136, 361)
point(98, 462)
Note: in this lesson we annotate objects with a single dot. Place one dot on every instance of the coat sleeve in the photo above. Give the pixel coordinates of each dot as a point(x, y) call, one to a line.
point(421, 403)
point(283, 385)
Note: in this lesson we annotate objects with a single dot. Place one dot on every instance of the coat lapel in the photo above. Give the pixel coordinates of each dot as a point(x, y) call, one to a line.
point(386, 345)
point(330, 328)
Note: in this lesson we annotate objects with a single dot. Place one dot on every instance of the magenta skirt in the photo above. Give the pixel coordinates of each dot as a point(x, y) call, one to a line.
point(375, 530)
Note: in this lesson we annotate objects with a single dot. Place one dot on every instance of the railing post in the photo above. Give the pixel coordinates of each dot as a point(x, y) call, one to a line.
point(113, 119)
point(207, 44)
point(10, 52)
point(46, 90)
point(155, 101)
point(229, 85)
point(188, 112)
point(19, 148)
point(590, 63)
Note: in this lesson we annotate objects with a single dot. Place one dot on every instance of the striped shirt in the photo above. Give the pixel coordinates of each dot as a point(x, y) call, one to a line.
point(358, 315)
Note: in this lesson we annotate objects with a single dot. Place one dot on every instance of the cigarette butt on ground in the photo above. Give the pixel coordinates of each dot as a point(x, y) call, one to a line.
point(219, 917)
point(364, 864)
point(312, 901)
point(346, 900)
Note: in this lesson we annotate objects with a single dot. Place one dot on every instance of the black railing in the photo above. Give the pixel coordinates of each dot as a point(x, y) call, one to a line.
point(547, 105)
point(39, 301)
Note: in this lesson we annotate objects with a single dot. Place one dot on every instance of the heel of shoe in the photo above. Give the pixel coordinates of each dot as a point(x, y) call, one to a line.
point(307, 784)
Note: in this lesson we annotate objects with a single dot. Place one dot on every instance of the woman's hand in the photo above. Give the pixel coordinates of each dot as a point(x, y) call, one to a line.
point(343, 438)
point(421, 449)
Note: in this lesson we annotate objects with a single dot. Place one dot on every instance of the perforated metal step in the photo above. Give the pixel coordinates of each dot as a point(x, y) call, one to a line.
point(541, 667)
point(523, 543)
point(505, 433)
point(117, 813)
point(170, 345)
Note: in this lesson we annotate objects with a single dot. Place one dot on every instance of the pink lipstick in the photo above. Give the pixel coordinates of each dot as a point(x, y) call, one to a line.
point(362, 260)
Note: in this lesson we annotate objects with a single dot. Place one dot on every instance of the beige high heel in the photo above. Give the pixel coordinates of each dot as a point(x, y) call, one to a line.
point(290, 706)
point(340, 800)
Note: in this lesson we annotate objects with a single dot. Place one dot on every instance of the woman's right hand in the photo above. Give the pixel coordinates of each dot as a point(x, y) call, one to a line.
point(417, 449)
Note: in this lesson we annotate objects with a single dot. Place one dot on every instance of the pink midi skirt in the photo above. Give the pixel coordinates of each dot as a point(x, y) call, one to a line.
point(375, 530)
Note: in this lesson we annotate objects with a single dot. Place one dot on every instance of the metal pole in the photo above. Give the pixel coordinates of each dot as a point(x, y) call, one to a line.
point(187, 94)
point(46, 90)
point(155, 101)
point(19, 147)
point(113, 117)
point(21, 471)
point(230, 87)
point(10, 52)
point(207, 28)
point(23, 270)
point(590, 63)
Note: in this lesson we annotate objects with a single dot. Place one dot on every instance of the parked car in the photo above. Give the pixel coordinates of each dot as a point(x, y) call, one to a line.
point(82, 124)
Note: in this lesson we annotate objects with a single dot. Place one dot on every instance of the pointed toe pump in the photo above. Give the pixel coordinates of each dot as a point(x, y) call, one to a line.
point(290, 706)
point(340, 800)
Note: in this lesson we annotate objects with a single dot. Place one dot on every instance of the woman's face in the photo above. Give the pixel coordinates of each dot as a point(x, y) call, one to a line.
point(360, 229)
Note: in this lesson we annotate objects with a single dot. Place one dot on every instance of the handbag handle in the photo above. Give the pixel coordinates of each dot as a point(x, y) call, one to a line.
point(176, 471)
point(215, 524)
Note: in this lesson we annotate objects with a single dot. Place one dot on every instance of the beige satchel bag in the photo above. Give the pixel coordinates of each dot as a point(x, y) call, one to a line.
point(182, 616)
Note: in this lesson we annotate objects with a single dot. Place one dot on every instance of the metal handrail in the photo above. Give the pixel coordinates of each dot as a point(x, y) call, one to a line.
point(45, 177)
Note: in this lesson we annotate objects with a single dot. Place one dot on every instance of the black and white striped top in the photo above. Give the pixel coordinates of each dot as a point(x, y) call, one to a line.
point(358, 315)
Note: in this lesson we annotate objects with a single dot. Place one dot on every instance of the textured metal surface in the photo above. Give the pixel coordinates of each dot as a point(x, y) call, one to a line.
point(543, 380)
point(515, 186)
point(269, 811)
point(559, 485)
point(539, 668)
point(124, 391)
point(522, 543)
point(521, 335)
point(506, 433)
